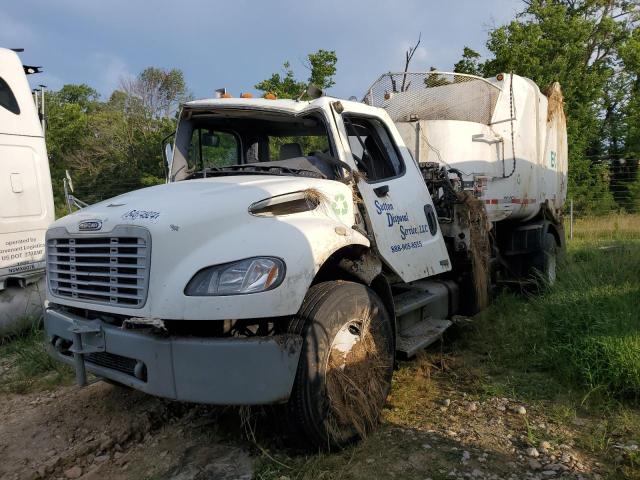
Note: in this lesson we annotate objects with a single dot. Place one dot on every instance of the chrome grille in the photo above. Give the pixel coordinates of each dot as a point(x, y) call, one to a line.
point(111, 270)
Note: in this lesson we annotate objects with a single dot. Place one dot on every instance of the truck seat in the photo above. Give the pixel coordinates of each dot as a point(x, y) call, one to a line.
point(290, 150)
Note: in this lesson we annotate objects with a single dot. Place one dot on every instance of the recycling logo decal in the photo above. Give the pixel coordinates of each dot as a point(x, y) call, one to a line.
point(339, 204)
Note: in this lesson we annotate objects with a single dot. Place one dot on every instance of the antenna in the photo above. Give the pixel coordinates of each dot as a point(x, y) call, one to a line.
point(28, 69)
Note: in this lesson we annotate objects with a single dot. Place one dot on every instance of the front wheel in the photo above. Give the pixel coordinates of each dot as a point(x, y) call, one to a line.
point(346, 364)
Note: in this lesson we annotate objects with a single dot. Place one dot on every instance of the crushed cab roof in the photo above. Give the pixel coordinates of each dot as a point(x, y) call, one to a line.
point(286, 106)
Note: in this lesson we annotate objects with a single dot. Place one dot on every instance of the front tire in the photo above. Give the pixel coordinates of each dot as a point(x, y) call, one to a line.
point(346, 364)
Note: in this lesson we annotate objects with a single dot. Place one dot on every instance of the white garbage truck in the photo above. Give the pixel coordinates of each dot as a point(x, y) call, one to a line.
point(26, 197)
point(298, 247)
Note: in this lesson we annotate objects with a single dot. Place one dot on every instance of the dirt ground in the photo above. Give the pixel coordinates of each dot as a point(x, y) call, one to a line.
point(109, 432)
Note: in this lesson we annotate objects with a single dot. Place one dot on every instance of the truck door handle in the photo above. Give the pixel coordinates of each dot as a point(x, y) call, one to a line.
point(432, 221)
point(381, 191)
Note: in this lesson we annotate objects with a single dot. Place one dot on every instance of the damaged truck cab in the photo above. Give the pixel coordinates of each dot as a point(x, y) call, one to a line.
point(294, 249)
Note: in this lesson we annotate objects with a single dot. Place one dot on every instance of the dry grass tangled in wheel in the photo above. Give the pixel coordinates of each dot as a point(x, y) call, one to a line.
point(356, 382)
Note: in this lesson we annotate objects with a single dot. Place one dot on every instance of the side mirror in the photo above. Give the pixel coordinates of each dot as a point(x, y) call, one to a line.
point(168, 154)
point(67, 177)
point(314, 92)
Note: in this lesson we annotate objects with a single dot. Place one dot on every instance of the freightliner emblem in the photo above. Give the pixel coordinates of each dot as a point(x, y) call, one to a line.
point(90, 225)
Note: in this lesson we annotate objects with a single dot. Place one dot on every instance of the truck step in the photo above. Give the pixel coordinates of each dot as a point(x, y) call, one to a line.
point(421, 335)
point(411, 300)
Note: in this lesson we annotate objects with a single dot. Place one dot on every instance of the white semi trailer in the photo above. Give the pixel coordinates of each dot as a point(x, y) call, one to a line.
point(26, 197)
point(298, 246)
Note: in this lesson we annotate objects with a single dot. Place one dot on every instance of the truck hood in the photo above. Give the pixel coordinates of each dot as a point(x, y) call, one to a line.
point(195, 224)
point(180, 204)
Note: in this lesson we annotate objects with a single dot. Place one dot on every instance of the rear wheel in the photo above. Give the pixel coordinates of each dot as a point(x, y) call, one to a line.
point(545, 262)
point(346, 364)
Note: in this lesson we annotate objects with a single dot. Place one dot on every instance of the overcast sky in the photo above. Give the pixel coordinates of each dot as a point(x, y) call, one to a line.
point(237, 43)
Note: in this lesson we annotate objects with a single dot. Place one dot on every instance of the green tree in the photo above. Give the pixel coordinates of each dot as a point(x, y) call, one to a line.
point(470, 63)
point(156, 92)
point(114, 146)
point(630, 56)
point(68, 111)
point(82, 95)
point(322, 69)
point(283, 86)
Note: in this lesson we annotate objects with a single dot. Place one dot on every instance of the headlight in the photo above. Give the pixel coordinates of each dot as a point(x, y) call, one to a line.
point(245, 276)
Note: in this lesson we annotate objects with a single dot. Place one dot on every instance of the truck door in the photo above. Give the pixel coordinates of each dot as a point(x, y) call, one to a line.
point(398, 204)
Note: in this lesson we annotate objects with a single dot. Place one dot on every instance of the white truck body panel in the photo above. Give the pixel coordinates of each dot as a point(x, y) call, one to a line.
point(26, 201)
point(436, 126)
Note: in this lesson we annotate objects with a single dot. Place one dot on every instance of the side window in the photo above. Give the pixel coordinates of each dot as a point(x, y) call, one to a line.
point(211, 148)
point(373, 150)
point(7, 98)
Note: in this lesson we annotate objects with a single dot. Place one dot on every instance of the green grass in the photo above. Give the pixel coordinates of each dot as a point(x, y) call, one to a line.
point(583, 333)
point(25, 365)
point(618, 227)
point(575, 348)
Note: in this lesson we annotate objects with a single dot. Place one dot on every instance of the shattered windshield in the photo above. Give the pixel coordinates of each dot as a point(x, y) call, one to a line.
point(240, 143)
